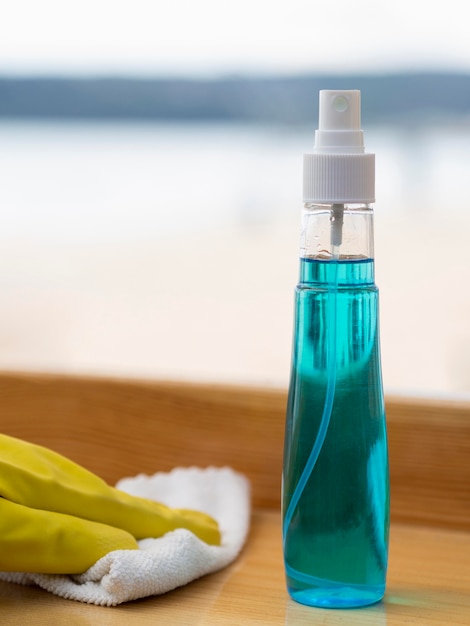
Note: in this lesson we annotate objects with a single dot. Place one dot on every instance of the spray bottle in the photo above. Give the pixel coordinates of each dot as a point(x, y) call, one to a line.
point(335, 501)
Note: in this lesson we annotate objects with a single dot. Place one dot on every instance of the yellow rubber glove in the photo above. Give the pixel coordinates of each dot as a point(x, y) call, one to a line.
point(57, 517)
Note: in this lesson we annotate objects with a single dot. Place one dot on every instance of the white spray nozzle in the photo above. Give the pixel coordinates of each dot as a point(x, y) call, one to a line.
point(339, 126)
point(338, 170)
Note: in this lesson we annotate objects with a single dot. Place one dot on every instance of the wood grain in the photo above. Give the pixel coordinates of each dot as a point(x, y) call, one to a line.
point(428, 585)
point(123, 427)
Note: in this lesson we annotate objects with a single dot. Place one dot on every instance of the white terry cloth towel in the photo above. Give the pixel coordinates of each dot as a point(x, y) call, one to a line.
point(173, 560)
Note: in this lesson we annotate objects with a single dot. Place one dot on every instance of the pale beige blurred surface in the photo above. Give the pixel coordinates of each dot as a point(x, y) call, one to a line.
point(172, 251)
point(219, 306)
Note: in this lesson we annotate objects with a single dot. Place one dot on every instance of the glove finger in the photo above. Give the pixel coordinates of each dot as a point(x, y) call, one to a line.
point(36, 541)
point(42, 479)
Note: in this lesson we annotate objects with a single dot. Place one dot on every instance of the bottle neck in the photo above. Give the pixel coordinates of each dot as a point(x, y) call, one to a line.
point(337, 232)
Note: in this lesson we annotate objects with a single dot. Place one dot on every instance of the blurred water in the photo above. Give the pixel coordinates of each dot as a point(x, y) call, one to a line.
point(141, 249)
point(108, 182)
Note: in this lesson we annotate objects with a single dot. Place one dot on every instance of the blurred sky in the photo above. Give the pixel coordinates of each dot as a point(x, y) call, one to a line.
point(213, 37)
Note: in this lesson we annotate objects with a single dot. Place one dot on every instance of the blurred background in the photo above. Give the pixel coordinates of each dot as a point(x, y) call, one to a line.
point(150, 182)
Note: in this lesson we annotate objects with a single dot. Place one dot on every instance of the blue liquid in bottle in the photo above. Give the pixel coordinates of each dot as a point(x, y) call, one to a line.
point(335, 477)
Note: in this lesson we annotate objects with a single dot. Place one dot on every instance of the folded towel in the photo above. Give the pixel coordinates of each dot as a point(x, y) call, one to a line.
point(173, 560)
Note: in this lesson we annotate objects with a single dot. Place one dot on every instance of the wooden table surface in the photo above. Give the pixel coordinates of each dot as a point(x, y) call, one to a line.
point(120, 428)
point(428, 584)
